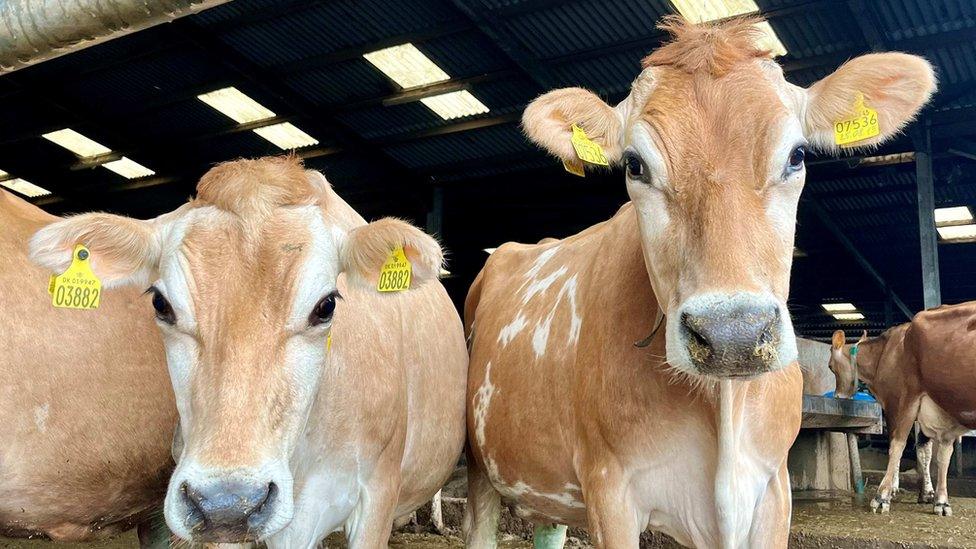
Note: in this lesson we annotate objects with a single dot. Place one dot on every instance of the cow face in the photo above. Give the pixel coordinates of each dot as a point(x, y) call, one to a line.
point(841, 365)
point(712, 139)
point(244, 287)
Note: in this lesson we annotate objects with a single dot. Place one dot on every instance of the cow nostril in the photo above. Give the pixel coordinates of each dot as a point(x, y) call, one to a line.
point(194, 503)
point(698, 344)
point(270, 496)
point(770, 330)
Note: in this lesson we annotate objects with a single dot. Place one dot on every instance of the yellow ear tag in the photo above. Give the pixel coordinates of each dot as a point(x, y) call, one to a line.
point(863, 125)
point(395, 273)
point(574, 168)
point(586, 149)
point(77, 287)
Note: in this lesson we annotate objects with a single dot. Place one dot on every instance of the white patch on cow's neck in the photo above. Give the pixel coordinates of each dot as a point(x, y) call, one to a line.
point(540, 338)
point(539, 285)
point(576, 322)
point(538, 264)
point(512, 329)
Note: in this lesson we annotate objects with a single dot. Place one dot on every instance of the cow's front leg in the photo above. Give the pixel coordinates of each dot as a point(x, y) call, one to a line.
point(611, 516)
point(941, 506)
point(901, 425)
point(371, 521)
point(923, 449)
point(771, 521)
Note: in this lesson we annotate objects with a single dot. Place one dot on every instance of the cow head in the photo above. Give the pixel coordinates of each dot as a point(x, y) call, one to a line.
point(243, 280)
point(841, 365)
point(713, 139)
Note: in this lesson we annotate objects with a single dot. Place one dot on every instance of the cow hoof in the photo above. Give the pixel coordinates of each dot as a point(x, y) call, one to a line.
point(880, 505)
point(942, 509)
point(926, 497)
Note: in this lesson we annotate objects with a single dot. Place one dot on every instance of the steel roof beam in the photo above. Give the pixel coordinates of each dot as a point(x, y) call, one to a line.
point(963, 148)
point(493, 27)
point(869, 24)
point(846, 243)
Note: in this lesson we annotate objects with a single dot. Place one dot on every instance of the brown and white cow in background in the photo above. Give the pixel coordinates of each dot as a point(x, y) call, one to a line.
point(285, 438)
point(921, 371)
point(570, 422)
point(87, 408)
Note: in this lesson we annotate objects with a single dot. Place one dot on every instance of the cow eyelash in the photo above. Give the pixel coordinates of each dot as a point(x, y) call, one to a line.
point(635, 167)
point(164, 311)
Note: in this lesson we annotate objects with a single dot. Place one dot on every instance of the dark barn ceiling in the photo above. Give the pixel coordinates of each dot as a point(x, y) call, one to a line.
point(387, 154)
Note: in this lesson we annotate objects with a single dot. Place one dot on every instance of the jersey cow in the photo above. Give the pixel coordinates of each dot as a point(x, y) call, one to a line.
point(285, 434)
point(923, 370)
point(688, 431)
point(88, 413)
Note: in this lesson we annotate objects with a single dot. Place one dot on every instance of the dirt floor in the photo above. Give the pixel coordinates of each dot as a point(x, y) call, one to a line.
point(908, 525)
point(820, 521)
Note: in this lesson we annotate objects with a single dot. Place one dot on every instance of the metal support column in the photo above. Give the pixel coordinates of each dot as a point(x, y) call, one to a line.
point(857, 478)
point(928, 239)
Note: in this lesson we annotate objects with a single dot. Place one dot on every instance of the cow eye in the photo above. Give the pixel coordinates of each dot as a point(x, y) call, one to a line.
point(324, 309)
point(635, 166)
point(797, 157)
point(164, 311)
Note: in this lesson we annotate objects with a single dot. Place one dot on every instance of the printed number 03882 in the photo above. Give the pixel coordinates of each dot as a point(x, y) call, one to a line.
point(74, 296)
point(393, 279)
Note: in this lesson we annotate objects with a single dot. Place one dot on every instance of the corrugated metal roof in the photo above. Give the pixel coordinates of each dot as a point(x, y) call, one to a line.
point(576, 26)
point(340, 83)
point(902, 19)
point(331, 26)
point(445, 149)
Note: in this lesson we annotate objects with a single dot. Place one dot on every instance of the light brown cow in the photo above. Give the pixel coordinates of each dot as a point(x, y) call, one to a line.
point(88, 412)
point(284, 437)
point(571, 422)
point(923, 370)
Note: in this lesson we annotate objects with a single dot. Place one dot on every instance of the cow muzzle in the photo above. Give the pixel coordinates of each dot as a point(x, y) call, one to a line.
point(738, 335)
point(237, 506)
point(228, 511)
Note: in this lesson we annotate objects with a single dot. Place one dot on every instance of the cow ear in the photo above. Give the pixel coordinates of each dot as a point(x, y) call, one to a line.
point(839, 339)
point(864, 336)
point(548, 121)
point(368, 247)
point(896, 85)
point(123, 250)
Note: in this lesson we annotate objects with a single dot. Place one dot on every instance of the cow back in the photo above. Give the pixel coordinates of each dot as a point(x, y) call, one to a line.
point(943, 341)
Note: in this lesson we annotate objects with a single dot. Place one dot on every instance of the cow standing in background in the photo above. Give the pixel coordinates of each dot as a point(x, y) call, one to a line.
point(287, 434)
point(87, 408)
point(687, 432)
point(924, 370)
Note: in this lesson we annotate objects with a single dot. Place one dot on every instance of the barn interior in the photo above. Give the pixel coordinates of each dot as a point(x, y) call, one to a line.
point(412, 109)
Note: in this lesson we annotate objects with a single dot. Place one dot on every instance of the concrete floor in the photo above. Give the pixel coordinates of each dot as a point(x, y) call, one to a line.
point(819, 521)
